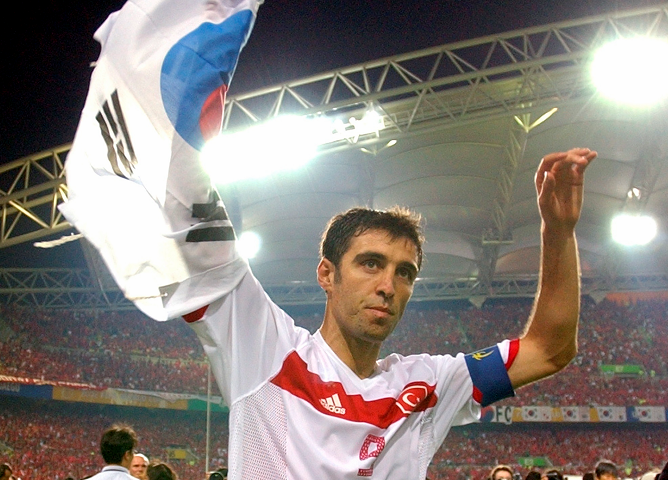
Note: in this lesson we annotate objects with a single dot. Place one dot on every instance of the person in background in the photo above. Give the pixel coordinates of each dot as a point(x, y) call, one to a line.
point(118, 449)
point(160, 471)
point(606, 470)
point(501, 472)
point(5, 471)
point(138, 466)
point(552, 474)
point(664, 473)
point(651, 475)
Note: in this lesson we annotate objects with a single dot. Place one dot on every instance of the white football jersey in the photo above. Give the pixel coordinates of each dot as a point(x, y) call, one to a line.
point(298, 412)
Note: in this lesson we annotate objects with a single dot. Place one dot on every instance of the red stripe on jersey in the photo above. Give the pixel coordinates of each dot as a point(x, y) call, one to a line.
point(512, 352)
point(196, 315)
point(330, 398)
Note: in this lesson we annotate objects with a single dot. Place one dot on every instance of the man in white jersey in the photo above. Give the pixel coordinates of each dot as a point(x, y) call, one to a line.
point(323, 406)
point(302, 406)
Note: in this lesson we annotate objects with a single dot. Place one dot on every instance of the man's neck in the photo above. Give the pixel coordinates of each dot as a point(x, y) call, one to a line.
point(360, 356)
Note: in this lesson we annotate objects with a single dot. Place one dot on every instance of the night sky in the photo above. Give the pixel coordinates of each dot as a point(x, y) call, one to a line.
point(49, 46)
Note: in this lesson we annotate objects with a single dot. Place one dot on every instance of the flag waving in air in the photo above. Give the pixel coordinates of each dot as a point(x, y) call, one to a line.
point(136, 187)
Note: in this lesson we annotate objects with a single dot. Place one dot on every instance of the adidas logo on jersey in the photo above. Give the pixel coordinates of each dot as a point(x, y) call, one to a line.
point(333, 404)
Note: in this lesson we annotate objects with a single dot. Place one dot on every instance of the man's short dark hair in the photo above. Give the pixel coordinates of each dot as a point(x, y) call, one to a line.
point(398, 222)
point(553, 474)
point(606, 466)
point(160, 471)
point(116, 441)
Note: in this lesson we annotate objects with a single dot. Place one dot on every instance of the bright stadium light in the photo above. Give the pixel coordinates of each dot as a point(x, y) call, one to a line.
point(249, 244)
point(632, 230)
point(632, 71)
point(285, 143)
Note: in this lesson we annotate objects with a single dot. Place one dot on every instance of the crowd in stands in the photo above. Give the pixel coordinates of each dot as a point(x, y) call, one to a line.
point(468, 452)
point(128, 350)
point(63, 440)
point(55, 440)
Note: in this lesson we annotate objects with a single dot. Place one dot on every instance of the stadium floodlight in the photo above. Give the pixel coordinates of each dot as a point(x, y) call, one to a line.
point(633, 229)
point(284, 143)
point(249, 244)
point(371, 122)
point(632, 71)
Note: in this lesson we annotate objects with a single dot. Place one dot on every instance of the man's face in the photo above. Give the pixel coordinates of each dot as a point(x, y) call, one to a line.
point(6, 475)
point(138, 467)
point(368, 291)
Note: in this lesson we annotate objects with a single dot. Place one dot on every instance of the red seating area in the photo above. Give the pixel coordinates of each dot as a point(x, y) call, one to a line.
point(472, 452)
point(127, 350)
point(56, 439)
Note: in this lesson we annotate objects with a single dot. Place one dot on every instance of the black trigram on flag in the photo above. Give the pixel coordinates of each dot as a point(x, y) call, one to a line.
point(114, 131)
point(212, 213)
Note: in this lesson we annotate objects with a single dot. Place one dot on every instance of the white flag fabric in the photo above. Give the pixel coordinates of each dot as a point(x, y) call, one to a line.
point(648, 414)
point(611, 414)
point(537, 414)
point(136, 188)
point(570, 414)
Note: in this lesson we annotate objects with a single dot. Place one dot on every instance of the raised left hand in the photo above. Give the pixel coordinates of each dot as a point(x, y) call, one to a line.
point(560, 185)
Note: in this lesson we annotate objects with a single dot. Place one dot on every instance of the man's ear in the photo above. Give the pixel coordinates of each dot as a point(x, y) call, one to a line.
point(325, 271)
point(128, 457)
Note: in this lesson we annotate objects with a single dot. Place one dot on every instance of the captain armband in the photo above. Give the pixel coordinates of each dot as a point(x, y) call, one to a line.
point(489, 372)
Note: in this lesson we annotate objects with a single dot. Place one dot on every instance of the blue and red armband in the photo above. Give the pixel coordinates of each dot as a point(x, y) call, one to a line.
point(489, 373)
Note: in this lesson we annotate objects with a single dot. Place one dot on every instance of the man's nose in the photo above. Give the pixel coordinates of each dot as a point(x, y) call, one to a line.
point(385, 285)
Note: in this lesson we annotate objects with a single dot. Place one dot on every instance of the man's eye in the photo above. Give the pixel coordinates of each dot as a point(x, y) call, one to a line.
point(370, 263)
point(406, 273)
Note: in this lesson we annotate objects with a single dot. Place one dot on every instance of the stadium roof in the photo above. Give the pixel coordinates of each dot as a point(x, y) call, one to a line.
point(464, 117)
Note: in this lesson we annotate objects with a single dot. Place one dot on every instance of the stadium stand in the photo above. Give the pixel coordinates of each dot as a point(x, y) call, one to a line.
point(622, 362)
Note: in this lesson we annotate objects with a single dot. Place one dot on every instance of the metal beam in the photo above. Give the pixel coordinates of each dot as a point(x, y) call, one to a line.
point(32, 188)
point(76, 289)
point(459, 79)
point(434, 89)
point(416, 92)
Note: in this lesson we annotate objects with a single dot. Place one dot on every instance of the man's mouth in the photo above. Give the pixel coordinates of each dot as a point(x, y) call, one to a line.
point(384, 310)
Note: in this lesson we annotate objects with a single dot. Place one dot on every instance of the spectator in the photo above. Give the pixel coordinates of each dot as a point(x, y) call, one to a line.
point(5, 471)
point(160, 471)
point(117, 446)
point(139, 466)
point(501, 472)
point(606, 470)
point(664, 473)
point(651, 475)
point(552, 474)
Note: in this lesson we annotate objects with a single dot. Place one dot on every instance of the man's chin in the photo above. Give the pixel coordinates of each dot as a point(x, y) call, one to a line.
point(379, 334)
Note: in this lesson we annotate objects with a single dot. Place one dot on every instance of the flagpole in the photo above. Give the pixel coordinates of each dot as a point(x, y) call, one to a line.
point(208, 416)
